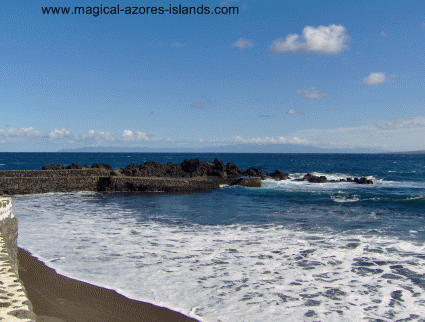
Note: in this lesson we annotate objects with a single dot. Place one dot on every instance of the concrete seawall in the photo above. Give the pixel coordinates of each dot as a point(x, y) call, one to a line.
point(14, 303)
point(43, 181)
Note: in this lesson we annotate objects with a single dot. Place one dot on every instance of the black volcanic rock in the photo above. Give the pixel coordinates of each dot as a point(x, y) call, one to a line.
point(152, 169)
point(131, 170)
point(102, 166)
point(278, 175)
point(232, 170)
point(174, 170)
point(363, 180)
point(218, 165)
point(54, 167)
point(117, 172)
point(196, 167)
point(315, 179)
point(218, 169)
point(74, 166)
point(254, 172)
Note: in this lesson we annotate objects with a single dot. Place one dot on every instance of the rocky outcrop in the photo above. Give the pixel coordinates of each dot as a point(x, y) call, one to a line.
point(232, 170)
point(190, 175)
point(218, 169)
point(54, 167)
point(363, 180)
point(152, 176)
point(278, 175)
point(74, 166)
point(195, 168)
point(322, 179)
point(102, 166)
point(254, 172)
point(315, 179)
point(187, 169)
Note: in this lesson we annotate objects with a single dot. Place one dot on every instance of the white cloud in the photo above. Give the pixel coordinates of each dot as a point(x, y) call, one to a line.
point(141, 136)
point(59, 133)
point(406, 123)
point(291, 43)
point(330, 39)
point(375, 78)
point(312, 93)
point(294, 112)
point(242, 43)
point(95, 136)
point(127, 134)
point(264, 140)
point(397, 135)
point(21, 133)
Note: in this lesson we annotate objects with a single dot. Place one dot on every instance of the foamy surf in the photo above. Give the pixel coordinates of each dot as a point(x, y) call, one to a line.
point(227, 272)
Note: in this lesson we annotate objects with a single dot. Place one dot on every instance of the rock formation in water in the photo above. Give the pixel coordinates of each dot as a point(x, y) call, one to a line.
point(196, 168)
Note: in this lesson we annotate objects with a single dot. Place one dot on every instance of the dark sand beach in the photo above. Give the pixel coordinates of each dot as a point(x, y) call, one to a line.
point(56, 298)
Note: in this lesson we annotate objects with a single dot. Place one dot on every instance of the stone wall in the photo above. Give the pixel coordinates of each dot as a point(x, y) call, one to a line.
point(9, 231)
point(53, 173)
point(42, 181)
point(14, 303)
point(155, 184)
point(25, 185)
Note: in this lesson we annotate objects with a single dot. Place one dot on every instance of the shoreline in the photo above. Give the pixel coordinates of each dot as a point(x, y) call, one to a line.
point(57, 298)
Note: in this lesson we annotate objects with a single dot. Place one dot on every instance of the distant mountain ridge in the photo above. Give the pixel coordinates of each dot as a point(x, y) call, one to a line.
point(410, 152)
point(238, 148)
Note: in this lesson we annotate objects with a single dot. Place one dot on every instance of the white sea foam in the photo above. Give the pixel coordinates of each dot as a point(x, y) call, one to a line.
point(291, 185)
point(414, 198)
point(343, 199)
point(373, 215)
point(225, 273)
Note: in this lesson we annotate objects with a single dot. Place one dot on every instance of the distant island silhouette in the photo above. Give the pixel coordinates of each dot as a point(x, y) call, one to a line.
point(238, 148)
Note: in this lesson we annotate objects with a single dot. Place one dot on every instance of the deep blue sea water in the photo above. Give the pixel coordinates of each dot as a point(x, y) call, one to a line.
point(288, 251)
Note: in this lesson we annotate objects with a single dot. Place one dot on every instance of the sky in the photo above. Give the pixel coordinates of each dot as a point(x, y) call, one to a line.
point(330, 74)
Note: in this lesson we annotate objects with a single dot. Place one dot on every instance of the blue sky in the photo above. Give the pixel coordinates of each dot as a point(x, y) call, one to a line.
point(319, 73)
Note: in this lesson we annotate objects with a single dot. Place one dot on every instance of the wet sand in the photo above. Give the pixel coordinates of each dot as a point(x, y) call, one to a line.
point(56, 298)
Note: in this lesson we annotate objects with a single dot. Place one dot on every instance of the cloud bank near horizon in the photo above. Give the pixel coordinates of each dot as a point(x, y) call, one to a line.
point(397, 135)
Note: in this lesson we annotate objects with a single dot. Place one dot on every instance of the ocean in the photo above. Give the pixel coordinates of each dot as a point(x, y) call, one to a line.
point(288, 251)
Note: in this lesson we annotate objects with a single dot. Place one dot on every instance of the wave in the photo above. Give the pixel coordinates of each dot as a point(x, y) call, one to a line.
point(290, 184)
point(237, 272)
point(343, 199)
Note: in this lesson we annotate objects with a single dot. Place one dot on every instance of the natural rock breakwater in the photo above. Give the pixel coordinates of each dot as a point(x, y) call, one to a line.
point(188, 176)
